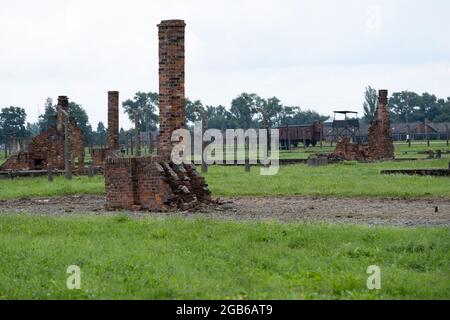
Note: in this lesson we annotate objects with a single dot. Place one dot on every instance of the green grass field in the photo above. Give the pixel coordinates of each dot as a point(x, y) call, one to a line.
point(176, 258)
point(191, 259)
point(350, 179)
point(39, 186)
point(402, 150)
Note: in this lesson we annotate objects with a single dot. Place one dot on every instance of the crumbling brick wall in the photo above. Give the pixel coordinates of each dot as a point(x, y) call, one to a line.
point(98, 156)
point(152, 184)
point(48, 147)
point(156, 183)
point(380, 144)
point(346, 150)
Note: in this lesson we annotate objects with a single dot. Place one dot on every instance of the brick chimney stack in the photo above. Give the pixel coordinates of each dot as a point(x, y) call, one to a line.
point(381, 145)
point(63, 105)
point(113, 120)
point(383, 97)
point(171, 83)
point(382, 112)
point(156, 183)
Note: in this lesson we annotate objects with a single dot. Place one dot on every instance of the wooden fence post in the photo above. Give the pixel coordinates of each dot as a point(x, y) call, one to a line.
point(131, 145)
point(137, 129)
point(150, 142)
point(409, 136)
point(49, 172)
point(127, 145)
point(446, 127)
point(69, 169)
point(321, 136)
point(247, 150)
point(90, 170)
point(288, 137)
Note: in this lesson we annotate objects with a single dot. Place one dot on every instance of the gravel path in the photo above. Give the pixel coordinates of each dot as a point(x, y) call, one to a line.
point(391, 211)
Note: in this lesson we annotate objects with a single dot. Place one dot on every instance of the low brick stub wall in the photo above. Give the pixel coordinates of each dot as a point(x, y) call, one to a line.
point(349, 151)
point(420, 172)
point(99, 155)
point(151, 184)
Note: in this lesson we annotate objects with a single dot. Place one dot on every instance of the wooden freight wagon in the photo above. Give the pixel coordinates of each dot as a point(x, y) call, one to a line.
point(308, 134)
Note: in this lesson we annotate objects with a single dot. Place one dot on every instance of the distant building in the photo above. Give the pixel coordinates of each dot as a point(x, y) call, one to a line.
point(416, 130)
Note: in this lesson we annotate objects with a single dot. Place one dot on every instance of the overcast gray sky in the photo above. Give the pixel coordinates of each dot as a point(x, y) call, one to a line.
point(315, 54)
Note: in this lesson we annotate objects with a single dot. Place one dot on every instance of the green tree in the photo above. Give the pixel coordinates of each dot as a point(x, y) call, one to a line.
point(286, 116)
point(147, 105)
point(272, 107)
point(243, 109)
point(192, 108)
point(12, 124)
point(370, 104)
point(100, 135)
point(47, 119)
point(77, 112)
point(428, 107)
point(307, 117)
point(32, 129)
point(443, 111)
point(218, 118)
point(403, 104)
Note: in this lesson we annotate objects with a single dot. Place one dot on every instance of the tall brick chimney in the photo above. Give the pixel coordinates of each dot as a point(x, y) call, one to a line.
point(382, 108)
point(171, 83)
point(113, 120)
point(382, 111)
point(63, 104)
point(157, 183)
point(382, 96)
point(381, 146)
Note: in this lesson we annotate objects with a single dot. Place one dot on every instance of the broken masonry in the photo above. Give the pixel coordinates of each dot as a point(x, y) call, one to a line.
point(380, 145)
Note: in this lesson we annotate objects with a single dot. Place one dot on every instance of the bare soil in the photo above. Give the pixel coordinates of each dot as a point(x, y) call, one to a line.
point(373, 211)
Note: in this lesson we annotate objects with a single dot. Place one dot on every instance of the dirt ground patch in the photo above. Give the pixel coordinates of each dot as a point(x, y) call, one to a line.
point(391, 211)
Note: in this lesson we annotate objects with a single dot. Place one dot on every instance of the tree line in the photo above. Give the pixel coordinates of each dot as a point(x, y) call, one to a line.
point(245, 111)
point(408, 106)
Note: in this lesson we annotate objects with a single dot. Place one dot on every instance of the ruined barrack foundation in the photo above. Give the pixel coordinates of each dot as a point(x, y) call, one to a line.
point(380, 145)
point(47, 148)
point(156, 183)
